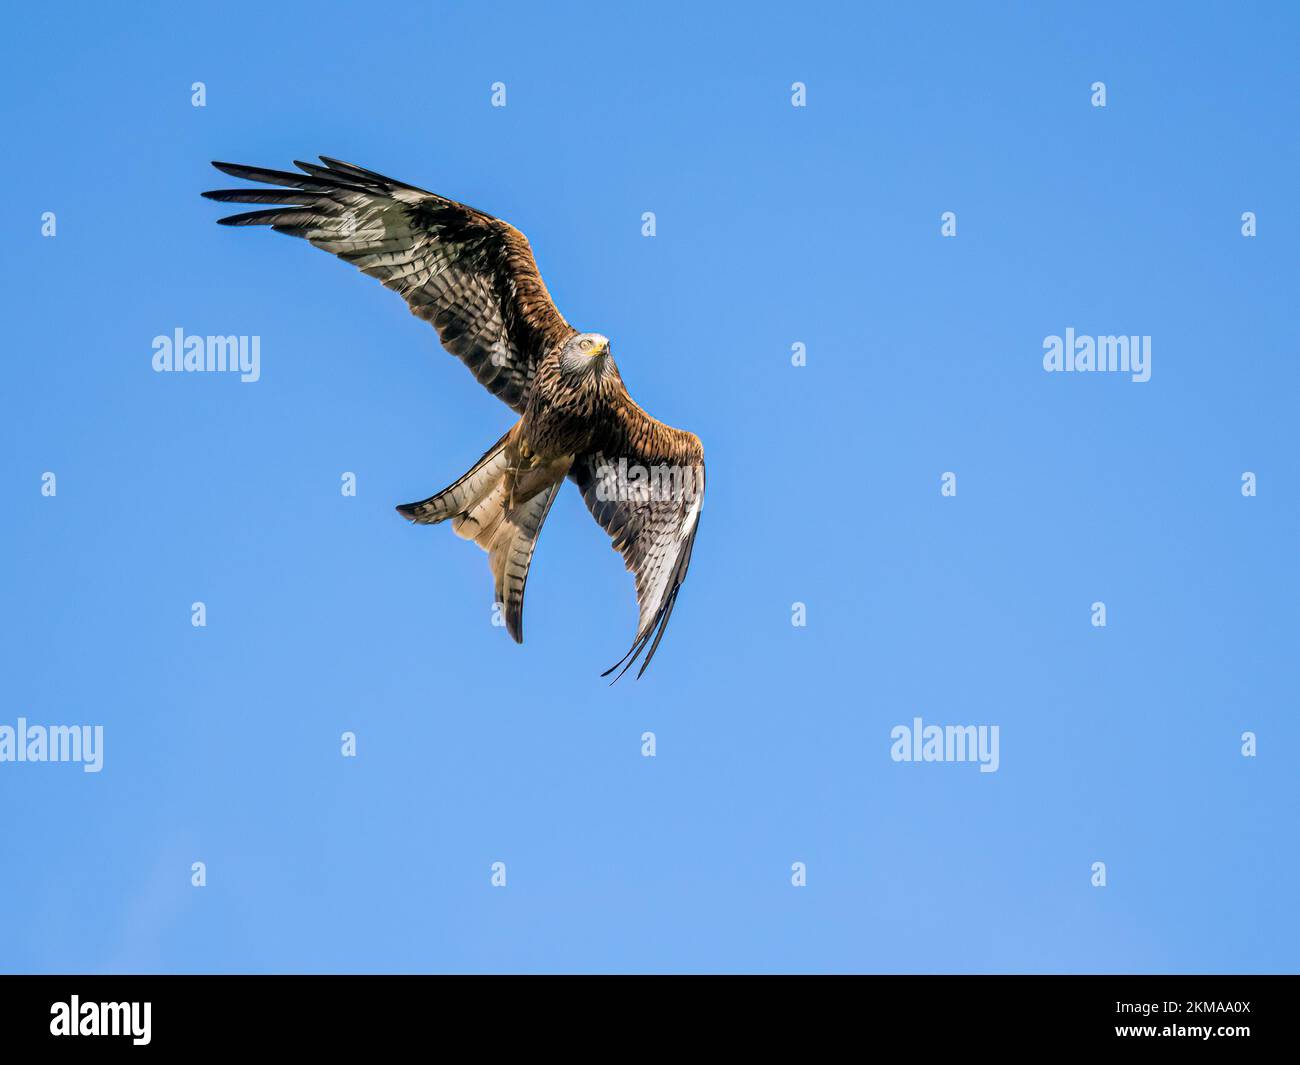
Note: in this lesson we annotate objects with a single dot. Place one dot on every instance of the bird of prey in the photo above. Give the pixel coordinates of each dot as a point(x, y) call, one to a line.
point(474, 279)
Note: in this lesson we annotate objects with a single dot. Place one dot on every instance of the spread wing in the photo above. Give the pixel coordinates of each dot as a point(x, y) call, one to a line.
point(644, 485)
point(471, 275)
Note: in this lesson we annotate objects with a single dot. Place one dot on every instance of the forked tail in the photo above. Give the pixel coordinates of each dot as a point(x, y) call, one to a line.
point(500, 504)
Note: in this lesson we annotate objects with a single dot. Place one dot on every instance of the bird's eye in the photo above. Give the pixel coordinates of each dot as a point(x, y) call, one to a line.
point(585, 345)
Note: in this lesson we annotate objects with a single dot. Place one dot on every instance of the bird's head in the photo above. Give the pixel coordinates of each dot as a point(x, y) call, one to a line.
point(586, 355)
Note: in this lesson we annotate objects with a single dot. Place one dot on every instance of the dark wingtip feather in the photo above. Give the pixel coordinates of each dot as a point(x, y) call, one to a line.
point(621, 661)
point(633, 653)
point(276, 217)
point(322, 181)
point(353, 172)
point(655, 629)
point(281, 196)
point(664, 615)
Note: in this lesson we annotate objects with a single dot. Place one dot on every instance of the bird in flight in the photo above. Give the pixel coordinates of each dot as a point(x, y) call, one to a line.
point(474, 279)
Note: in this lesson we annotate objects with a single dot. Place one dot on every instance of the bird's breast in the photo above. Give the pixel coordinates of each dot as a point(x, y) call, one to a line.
point(558, 426)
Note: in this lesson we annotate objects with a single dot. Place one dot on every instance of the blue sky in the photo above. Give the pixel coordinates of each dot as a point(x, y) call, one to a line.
point(775, 225)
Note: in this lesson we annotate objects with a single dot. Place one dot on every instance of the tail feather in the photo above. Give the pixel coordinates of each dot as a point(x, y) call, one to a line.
point(479, 520)
point(511, 553)
point(500, 504)
point(462, 496)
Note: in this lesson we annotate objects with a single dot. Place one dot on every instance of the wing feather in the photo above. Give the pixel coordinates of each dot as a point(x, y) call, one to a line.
point(471, 276)
point(644, 485)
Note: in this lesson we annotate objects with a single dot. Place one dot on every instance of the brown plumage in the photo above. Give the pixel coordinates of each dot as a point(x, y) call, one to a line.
point(473, 277)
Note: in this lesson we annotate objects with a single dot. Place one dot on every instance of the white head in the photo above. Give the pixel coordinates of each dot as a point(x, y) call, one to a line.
point(586, 354)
